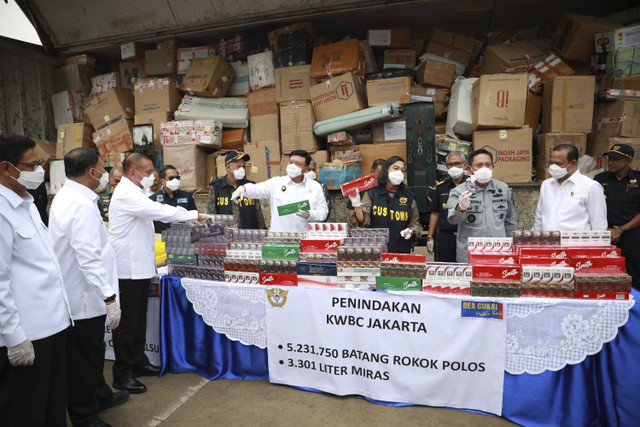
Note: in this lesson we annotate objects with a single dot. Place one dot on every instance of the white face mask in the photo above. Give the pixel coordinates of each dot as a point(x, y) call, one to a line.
point(455, 172)
point(239, 174)
point(396, 177)
point(147, 181)
point(104, 180)
point(30, 179)
point(483, 175)
point(173, 185)
point(557, 172)
point(311, 175)
point(293, 171)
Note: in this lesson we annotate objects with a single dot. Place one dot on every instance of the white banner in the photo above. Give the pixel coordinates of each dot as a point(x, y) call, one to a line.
point(412, 348)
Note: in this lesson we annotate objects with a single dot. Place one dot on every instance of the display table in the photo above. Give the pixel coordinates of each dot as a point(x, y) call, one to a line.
point(600, 389)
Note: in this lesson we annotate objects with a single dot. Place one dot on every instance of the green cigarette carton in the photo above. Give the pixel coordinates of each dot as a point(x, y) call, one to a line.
point(281, 251)
point(295, 207)
point(398, 284)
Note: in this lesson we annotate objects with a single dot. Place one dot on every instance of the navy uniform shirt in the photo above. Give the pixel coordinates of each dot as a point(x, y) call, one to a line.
point(438, 204)
point(180, 198)
point(623, 197)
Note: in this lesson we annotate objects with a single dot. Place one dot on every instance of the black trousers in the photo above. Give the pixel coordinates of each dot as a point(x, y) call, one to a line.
point(630, 248)
point(35, 395)
point(445, 247)
point(130, 337)
point(86, 388)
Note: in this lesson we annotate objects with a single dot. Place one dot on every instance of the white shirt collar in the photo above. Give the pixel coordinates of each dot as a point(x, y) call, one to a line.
point(14, 198)
point(92, 196)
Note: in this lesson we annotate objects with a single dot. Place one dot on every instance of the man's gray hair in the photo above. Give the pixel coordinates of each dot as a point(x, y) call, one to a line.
point(114, 170)
point(464, 156)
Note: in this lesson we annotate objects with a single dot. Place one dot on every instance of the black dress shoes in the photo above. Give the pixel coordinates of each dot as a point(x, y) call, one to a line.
point(117, 399)
point(131, 385)
point(148, 370)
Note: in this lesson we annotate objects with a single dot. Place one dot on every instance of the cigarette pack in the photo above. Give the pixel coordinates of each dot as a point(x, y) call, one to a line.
point(282, 251)
point(327, 229)
point(550, 275)
point(241, 277)
point(398, 284)
point(403, 258)
point(541, 261)
point(595, 251)
point(446, 287)
point(554, 252)
point(316, 268)
point(507, 273)
point(448, 271)
point(592, 264)
point(602, 295)
point(318, 245)
point(490, 244)
point(278, 279)
point(360, 184)
point(317, 281)
point(585, 238)
point(497, 258)
point(294, 207)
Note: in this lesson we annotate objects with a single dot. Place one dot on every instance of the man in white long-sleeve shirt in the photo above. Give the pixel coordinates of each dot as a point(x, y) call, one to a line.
point(34, 311)
point(131, 216)
point(569, 201)
point(88, 264)
point(284, 190)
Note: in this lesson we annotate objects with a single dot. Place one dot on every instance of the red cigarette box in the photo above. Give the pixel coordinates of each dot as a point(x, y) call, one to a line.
point(510, 273)
point(557, 252)
point(496, 258)
point(360, 184)
point(539, 261)
point(598, 264)
point(279, 279)
point(594, 251)
point(601, 295)
point(404, 258)
point(323, 246)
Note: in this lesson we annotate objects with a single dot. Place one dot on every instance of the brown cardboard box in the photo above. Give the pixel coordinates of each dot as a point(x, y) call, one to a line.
point(273, 35)
point(548, 69)
point(115, 160)
point(337, 58)
point(436, 73)
point(292, 83)
point(156, 95)
point(132, 51)
point(160, 62)
point(575, 35)
point(73, 135)
point(567, 104)
point(208, 77)
point(338, 96)
point(370, 64)
point(438, 96)
point(114, 137)
point(381, 151)
point(233, 139)
point(546, 143)
point(399, 58)
point(512, 151)
point(265, 160)
point(73, 77)
point(211, 167)
point(265, 128)
point(109, 105)
point(618, 118)
point(82, 59)
point(130, 73)
point(533, 111)
point(190, 161)
point(155, 118)
point(389, 90)
point(518, 57)
point(624, 82)
point(46, 151)
point(399, 38)
point(389, 131)
point(221, 170)
point(499, 101)
point(262, 102)
point(599, 146)
point(296, 128)
point(451, 46)
point(441, 127)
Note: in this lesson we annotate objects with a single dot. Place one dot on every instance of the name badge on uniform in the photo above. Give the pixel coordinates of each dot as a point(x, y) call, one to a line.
point(160, 198)
point(182, 200)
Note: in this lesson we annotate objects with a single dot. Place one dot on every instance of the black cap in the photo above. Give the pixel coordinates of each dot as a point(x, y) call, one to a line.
point(621, 151)
point(235, 156)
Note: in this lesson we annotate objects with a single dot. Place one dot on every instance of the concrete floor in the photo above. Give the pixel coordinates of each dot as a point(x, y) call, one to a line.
point(190, 400)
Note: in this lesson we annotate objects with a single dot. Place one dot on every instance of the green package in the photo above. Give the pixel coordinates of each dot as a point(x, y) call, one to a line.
point(398, 284)
point(282, 251)
point(295, 207)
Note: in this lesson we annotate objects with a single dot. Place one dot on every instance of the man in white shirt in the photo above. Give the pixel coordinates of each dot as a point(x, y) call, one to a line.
point(34, 311)
point(285, 190)
point(131, 216)
point(569, 201)
point(88, 264)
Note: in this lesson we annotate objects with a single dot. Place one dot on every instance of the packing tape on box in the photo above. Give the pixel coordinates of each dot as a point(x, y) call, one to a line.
point(563, 107)
point(450, 46)
point(77, 135)
point(601, 119)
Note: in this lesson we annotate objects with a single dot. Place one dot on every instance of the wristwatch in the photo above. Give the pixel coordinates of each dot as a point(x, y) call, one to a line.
point(429, 236)
point(111, 298)
point(623, 228)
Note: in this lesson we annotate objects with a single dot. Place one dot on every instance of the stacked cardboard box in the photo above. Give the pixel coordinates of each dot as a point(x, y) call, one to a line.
point(155, 102)
point(264, 115)
point(111, 115)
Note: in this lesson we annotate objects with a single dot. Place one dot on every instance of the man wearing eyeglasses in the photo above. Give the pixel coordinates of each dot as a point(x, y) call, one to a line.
point(170, 194)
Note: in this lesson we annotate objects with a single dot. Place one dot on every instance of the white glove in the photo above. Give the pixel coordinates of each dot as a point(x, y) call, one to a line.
point(113, 314)
point(22, 354)
point(430, 245)
point(355, 199)
point(406, 233)
point(463, 201)
point(304, 214)
point(238, 194)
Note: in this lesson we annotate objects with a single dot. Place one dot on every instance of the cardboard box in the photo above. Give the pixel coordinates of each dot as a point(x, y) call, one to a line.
point(599, 146)
point(159, 95)
point(436, 73)
point(220, 166)
point(273, 35)
point(262, 102)
point(73, 77)
point(208, 77)
point(548, 69)
point(130, 73)
point(233, 139)
point(337, 58)
point(83, 59)
point(108, 106)
point(338, 96)
point(160, 62)
point(546, 143)
point(104, 82)
point(622, 82)
point(390, 37)
point(399, 58)
point(261, 70)
point(512, 152)
point(207, 133)
point(67, 107)
point(185, 55)
point(618, 118)
point(73, 135)
point(389, 90)
point(265, 128)
point(451, 46)
point(499, 101)
point(210, 167)
point(568, 104)
point(533, 110)
point(438, 96)
point(46, 151)
point(296, 128)
point(156, 118)
point(265, 160)
point(132, 51)
point(381, 151)
point(240, 83)
point(389, 131)
point(334, 174)
point(293, 83)
point(190, 161)
point(518, 57)
point(574, 35)
point(115, 160)
point(114, 137)
point(610, 41)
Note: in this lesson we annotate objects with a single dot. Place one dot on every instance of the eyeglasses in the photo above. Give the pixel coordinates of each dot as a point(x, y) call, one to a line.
point(456, 164)
point(173, 177)
point(33, 165)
